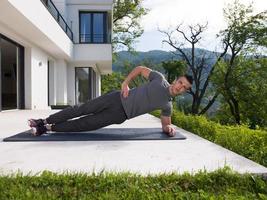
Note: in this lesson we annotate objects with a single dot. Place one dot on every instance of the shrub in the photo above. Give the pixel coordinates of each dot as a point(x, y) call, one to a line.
point(249, 143)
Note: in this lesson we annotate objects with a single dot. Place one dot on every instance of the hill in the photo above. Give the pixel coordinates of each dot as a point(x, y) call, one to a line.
point(156, 57)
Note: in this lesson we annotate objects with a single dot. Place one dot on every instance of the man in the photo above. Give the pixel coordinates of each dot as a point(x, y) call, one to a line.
point(118, 106)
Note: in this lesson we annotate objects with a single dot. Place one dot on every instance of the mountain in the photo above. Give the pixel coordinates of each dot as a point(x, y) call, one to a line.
point(156, 57)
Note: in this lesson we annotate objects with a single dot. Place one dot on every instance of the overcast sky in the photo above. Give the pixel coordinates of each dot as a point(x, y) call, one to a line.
point(169, 13)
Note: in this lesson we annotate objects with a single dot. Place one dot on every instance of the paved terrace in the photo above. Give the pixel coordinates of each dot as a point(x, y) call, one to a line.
point(144, 157)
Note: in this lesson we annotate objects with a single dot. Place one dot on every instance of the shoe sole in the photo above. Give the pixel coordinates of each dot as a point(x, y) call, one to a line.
point(33, 131)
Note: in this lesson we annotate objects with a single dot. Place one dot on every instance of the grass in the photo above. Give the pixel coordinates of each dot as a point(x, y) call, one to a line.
point(220, 184)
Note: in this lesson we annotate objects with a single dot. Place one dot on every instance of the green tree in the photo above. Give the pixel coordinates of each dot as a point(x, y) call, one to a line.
point(111, 82)
point(250, 88)
point(202, 99)
point(139, 80)
point(126, 23)
point(245, 32)
point(251, 76)
point(173, 69)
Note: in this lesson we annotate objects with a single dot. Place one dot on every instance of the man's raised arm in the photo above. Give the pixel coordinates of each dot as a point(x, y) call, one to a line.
point(144, 71)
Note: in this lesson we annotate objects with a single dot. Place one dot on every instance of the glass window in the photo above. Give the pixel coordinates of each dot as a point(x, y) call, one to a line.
point(10, 78)
point(98, 27)
point(92, 27)
point(85, 33)
point(82, 84)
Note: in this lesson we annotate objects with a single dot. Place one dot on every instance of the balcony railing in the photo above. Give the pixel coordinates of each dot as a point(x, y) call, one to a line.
point(60, 20)
point(94, 38)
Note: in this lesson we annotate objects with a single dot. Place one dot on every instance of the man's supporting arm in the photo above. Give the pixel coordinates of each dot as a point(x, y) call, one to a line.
point(144, 71)
point(166, 126)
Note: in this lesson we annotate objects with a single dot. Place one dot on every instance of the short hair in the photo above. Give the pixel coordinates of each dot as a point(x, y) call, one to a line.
point(189, 78)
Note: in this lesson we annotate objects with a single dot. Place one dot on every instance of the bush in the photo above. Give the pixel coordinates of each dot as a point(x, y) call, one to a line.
point(249, 143)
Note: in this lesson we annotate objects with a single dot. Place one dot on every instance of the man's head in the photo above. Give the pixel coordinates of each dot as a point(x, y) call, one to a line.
point(181, 85)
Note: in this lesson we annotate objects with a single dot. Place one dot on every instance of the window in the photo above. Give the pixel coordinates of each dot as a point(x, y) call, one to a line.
point(11, 74)
point(85, 84)
point(93, 27)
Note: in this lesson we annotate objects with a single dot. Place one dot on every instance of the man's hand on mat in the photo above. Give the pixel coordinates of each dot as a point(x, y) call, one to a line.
point(125, 89)
point(169, 130)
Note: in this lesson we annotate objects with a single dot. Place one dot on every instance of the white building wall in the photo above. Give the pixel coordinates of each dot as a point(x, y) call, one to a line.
point(71, 84)
point(39, 83)
point(28, 78)
point(61, 82)
point(39, 51)
point(52, 83)
point(34, 22)
point(98, 83)
point(35, 75)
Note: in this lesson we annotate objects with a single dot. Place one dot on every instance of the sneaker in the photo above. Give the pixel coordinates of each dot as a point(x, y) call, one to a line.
point(38, 130)
point(35, 122)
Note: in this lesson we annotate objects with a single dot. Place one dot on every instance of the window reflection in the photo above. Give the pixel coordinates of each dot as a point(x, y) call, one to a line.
point(82, 85)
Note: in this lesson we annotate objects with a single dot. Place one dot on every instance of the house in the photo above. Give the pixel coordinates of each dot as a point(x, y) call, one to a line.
point(53, 52)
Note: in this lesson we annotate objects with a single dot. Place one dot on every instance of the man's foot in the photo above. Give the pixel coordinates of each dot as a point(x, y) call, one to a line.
point(35, 122)
point(38, 130)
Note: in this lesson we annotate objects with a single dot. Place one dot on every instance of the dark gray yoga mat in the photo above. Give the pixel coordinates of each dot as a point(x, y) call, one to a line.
point(103, 134)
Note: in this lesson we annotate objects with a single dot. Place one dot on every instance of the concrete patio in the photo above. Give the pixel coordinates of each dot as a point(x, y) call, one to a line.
point(143, 157)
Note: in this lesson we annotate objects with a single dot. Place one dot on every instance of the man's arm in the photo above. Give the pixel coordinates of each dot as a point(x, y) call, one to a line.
point(144, 71)
point(166, 126)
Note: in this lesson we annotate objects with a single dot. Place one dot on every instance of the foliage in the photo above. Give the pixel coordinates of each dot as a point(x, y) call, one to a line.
point(220, 184)
point(139, 80)
point(197, 64)
point(126, 22)
point(248, 84)
point(251, 144)
point(174, 69)
point(245, 32)
point(182, 103)
point(111, 82)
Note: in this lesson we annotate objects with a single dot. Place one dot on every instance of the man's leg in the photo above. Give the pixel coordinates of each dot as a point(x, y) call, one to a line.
point(90, 107)
point(92, 122)
point(110, 112)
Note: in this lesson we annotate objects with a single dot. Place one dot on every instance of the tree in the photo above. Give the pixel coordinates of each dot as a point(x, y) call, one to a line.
point(244, 33)
point(251, 76)
point(250, 89)
point(126, 28)
point(126, 22)
point(111, 82)
point(128, 67)
point(139, 80)
point(197, 64)
point(173, 69)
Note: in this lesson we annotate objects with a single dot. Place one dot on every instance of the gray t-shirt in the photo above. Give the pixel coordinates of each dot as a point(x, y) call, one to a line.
point(148, 97)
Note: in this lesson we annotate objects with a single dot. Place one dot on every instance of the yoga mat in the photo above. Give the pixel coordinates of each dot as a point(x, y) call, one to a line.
point(103, 134)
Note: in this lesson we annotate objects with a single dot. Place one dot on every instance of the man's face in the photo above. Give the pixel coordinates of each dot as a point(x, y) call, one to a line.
point(180, 86)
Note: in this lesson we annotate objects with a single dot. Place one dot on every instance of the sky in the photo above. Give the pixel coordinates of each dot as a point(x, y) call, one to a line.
point(167, 14)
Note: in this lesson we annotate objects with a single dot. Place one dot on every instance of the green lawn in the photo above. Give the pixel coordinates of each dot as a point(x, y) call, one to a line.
point(221, 184)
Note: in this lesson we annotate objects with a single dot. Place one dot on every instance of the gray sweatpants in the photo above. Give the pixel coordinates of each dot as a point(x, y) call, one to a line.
point(94, 114)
